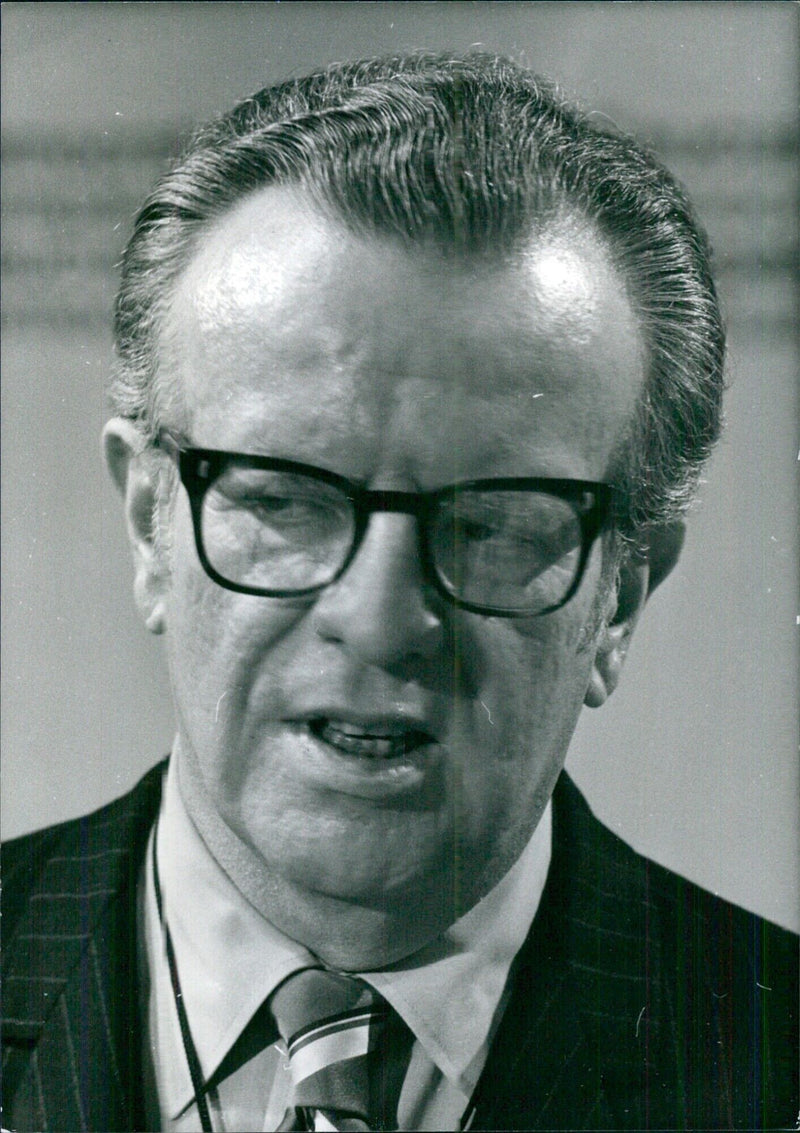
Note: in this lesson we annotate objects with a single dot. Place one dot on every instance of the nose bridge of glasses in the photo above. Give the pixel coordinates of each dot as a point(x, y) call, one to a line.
point(382, 502)
point(389, 500)
point(377, 501)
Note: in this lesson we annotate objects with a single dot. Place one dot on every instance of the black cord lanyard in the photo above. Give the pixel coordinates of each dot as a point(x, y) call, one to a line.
point(188, 1043)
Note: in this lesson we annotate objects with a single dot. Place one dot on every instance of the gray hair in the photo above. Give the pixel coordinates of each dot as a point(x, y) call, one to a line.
point(469, 155)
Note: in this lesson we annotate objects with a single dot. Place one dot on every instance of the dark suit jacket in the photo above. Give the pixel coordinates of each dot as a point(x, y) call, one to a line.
point(639, 1000)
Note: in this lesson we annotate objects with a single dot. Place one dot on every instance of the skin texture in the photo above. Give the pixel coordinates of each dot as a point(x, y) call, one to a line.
point(289, 336)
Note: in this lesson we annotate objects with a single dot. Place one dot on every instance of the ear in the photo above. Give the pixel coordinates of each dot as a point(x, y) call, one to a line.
point(136, 476)
point(639, 575)
point(664, 547)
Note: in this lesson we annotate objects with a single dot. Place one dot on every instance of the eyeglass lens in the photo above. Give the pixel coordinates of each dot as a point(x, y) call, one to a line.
point(507, 549)
point(283, 531)
point(276, 530)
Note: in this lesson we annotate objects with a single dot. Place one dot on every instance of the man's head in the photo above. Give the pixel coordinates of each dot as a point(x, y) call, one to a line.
point(410, 274)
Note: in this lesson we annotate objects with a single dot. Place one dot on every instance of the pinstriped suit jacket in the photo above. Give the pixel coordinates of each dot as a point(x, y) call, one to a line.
point(639, 1002)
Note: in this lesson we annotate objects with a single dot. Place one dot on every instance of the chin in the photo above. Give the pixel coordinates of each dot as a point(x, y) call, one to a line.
point(387, 878)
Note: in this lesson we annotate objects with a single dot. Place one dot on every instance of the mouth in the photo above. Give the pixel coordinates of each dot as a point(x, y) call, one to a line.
point(379, 740)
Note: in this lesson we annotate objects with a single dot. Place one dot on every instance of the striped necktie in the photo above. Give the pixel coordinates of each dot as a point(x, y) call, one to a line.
point(348, 1052)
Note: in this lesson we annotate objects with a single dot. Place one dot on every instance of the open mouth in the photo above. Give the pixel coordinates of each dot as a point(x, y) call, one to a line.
point(378, 741)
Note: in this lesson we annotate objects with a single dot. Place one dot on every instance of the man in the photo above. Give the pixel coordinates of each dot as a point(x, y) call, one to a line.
point(417, 371)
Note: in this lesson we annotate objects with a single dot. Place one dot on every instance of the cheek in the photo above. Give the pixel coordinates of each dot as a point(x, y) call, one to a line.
point(510, 739)
point(214, 638)
point(529, 672)
point(528, 684)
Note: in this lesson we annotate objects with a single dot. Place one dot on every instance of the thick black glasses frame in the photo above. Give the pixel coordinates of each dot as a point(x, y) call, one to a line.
point(200, 467)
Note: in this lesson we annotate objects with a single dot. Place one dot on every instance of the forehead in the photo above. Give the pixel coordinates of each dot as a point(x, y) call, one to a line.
point(286, 328)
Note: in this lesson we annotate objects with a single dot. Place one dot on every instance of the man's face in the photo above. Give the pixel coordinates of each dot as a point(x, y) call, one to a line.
point(292, 338)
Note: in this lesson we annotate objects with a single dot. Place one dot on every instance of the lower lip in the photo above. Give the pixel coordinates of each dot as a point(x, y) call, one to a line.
point(365, 777)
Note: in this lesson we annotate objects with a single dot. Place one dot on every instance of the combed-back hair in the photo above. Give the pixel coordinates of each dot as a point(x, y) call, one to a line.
point(470, 155)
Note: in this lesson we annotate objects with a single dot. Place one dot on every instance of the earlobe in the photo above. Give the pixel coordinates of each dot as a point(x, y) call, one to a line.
point(638, 577)
point(596, 691)
point(609, 659)
point(136, 478)
point(615, 635)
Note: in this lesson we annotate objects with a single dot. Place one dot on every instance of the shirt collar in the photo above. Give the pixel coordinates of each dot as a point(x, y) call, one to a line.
point(451, 992)
point(230, 958)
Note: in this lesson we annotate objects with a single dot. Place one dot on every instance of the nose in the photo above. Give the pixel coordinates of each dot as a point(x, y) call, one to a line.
point(381, 610)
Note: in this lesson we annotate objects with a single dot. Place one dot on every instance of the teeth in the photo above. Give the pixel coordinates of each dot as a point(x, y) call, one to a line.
point(374, 745)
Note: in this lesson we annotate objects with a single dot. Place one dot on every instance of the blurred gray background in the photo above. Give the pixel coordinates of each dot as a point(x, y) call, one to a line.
point(694, 761)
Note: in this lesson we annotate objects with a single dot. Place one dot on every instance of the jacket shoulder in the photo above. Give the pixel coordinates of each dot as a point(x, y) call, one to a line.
point(640, 1000)
point(694, 928)
point(118, 825)
point(712, 988)
point(71, 1051)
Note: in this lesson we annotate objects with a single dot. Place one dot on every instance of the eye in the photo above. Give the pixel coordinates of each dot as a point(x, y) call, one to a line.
point(474, 530)
point(288, 510)
point(282, 501)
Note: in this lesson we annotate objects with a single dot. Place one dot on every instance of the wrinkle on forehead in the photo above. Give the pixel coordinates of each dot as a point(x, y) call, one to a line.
point(294, 334)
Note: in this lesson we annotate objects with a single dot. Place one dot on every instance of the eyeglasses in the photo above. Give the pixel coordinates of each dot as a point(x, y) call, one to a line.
point(507, 547)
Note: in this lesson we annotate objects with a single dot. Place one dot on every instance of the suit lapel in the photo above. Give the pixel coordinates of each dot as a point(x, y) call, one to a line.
point(539, 1073)
point(573, 1042)
point(71, 1004)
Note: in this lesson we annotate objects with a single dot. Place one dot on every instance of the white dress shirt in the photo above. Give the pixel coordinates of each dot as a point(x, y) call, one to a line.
point(451, 993)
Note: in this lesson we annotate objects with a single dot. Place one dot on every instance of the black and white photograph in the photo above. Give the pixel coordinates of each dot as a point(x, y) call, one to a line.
point(400, 566)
